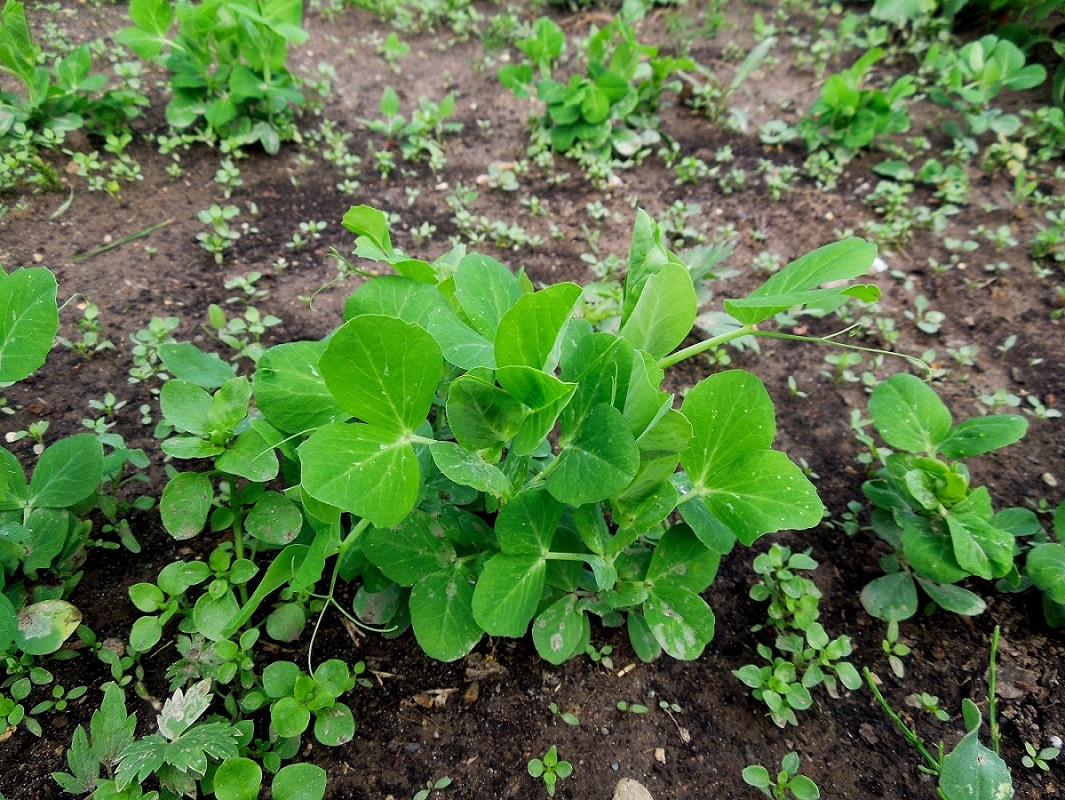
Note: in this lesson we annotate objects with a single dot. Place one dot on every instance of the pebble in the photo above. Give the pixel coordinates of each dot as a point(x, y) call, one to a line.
point(628, 789)
point(1050, 480)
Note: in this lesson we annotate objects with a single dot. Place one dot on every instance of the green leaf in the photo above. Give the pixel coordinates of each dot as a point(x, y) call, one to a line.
point(559, 631)
point(931, 555)
point(839, 261)
point(1046, 567)
point(44, 626)
point(908, 414)
point(980, 548)
point(185, 504)
point(186, 406)
point(334, 726)
point(67, 472)
point(8, 623)
point(274, 520)
point(153, 16)
point(361, 469)
point(599, 463)
point(647, 255)
point(383, 371)
point(974, 772)
point(954, 598)
point(526, 525)
point(441, 613)
point(299, 782)
point(372, 225)
point(507, 593)
point(731, 414)
point(186, 361)
point(527, 333)
point(762, 492)
point(981, 435)
point(229, 406)
point(289, 389)
point(481, 415)
point(29, 317)
point(413, 550)
point(681, 559)
point(213, 615)
point(891, 598)
point(249, 456)
point(487, 290)
point(664, 313)
point(469, 469)
point(289, 717)
point(644, 644)
point(237, 779)
point(681, 621)
point(396, 296)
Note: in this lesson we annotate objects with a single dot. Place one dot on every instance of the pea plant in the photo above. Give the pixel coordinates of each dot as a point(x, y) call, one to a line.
point(483, 461)
point(227, 64)
point(942, 529)
point(58, 97)
point(610, 109)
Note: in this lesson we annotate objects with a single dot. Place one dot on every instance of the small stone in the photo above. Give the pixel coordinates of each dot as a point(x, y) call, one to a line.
point(1050, 480)
point(660, 755)
point(628, 789)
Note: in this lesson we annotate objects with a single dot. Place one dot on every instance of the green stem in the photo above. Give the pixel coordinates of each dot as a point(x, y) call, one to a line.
point(351, 539)
point(542, 475)
point(909, 733)
point(750, 330)
point(992, 703)
point(708, 344)
point(238, 533)
point(131, 238)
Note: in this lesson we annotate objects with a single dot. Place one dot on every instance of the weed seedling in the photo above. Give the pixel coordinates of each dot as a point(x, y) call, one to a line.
point(565, 716)
point(1034, 759)
point(550, 769)
point(789, 784)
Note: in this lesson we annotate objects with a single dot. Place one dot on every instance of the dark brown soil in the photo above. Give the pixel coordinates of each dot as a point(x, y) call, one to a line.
point(847, 746)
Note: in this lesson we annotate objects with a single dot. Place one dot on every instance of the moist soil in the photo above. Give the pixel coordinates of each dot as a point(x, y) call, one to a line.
point(480, 720)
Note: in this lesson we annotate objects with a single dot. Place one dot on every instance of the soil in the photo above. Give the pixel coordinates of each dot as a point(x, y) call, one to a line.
point(420, 719)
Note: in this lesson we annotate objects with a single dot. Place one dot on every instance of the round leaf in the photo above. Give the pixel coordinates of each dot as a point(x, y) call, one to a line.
point(44, 626)
point(681, 621)
point(599, 463)
point(559, 631)
point(237, 779)
point(334, 726)
point(67, 472)
point(891, 598)
point(908, 414)
point(507, 594)
point(274, 520)
point(299, 782)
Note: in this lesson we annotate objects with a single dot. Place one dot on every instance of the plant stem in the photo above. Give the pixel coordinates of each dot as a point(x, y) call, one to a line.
point(132, 237)
point(238, 533)
point(992, 703)
point(708, 344)
point(909, 733)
